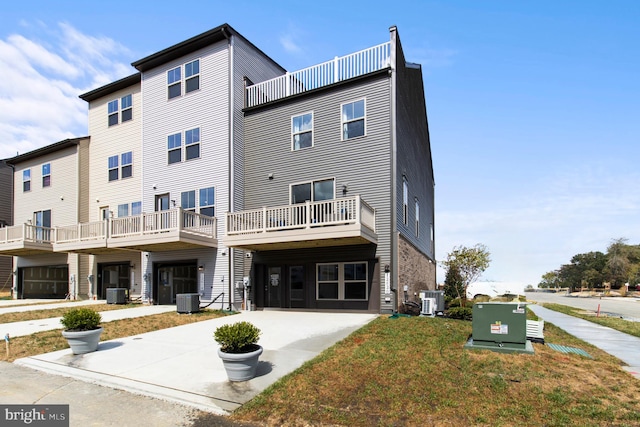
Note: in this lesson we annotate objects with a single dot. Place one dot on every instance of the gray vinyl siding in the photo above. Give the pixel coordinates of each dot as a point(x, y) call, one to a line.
point(413, 157)
point(363, 164)
point(6, 210)
point(83, 181)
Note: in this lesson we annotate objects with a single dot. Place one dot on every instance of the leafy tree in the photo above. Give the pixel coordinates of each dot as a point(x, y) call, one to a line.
point(618, 265)
point(550, 279)
point(453, 284)
point(469, 264)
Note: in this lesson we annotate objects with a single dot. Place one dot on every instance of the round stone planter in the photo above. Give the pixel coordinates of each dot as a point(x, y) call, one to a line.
point(240, 366)
point(83, 341)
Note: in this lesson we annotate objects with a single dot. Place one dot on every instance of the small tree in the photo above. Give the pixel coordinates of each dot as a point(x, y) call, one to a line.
point(469, 263)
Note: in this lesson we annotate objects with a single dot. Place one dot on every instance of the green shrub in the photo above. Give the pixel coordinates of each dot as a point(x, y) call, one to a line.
point(463, 313)
point(455, 302)
point(481, 298)
point(81, 319)
point(240, 337)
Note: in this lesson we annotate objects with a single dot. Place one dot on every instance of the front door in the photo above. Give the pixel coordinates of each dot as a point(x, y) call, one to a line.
point(273, 286)
point(165, 285)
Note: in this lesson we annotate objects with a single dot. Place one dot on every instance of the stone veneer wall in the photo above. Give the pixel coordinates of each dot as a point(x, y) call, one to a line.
point(415, 270)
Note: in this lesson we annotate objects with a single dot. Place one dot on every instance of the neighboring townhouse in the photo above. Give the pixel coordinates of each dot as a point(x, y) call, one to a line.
point(339, 187)
point(113, 188)
point(48, 191)
point(191, 163)
point(6, 219)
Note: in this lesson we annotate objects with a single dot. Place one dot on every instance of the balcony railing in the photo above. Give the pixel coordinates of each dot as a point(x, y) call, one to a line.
point(339, 69)
point(96, 230)
point(26, 233)
point(351, 210)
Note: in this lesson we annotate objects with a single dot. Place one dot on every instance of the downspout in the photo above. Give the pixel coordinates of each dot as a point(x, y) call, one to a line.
point(14, 260)
point(231, 158)
point(394, 192)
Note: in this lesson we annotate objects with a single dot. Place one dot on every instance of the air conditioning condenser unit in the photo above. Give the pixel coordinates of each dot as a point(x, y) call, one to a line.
point(428, 307)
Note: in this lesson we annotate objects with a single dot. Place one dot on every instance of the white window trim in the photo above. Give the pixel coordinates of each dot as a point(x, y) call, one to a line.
point(117, 168)
point(181, 147)
point(293, 134)
point(342, 281)
point(199, 206)
point(180, 81)
point(114, 113)
point(26, 180)
point(417, 212)
point(199, 143)
point(405, 201)
point(46, 175)
point(123, 165)
point(184, 78)
point(192, 76)
point(364, 119)
point(122, 110)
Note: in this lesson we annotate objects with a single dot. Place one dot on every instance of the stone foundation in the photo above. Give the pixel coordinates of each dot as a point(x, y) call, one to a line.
point(415, 270)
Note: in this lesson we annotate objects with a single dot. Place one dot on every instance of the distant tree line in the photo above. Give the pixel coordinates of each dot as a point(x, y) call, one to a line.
point(620, 265)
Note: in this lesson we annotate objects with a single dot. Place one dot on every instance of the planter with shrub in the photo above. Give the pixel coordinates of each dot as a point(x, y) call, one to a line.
point(239, 350)
point(82, 329)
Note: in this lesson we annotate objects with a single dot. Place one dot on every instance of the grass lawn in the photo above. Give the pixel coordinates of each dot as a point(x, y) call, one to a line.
point(626, 326)
point(48, 341)
point(414, 371)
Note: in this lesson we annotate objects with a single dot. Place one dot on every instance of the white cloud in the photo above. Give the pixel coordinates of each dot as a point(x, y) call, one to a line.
point(288, 43)
point(44, 71)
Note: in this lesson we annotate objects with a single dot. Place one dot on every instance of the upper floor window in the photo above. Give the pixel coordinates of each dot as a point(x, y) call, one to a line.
point(174, 147)
point(126, 164)
point(313, 191)
point(207, 201)
point(136, 208)
point(174, 82)
point(405, 201)
point(127, 108)
point(113, 112)
point(353, 117)
point(191, 79)
point(192, 143)
point(192, 76)
point(113, 168)
point(417, 218)
point(188, 200)
point(46, 175)
point(26, 180)
point(302, 131)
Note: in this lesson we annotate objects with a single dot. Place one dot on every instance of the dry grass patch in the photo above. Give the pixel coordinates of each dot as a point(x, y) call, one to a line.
point(48, 341)
point(47, 313)
point(414, 371)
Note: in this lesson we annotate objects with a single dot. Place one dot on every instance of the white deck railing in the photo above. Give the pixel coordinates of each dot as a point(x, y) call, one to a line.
point(25, 233)
point(145, 223)
point(349, 210)
point(339, 69)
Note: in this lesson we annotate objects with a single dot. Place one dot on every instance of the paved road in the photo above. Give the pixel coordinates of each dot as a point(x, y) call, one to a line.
point(629, 308)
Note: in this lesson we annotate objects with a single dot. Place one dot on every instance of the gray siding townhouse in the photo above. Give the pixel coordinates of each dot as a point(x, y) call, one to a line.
point(192, 161)
point(338, 185)
point(48, 191)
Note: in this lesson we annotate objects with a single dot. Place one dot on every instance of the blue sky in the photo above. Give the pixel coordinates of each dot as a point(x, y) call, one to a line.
point(534, 107)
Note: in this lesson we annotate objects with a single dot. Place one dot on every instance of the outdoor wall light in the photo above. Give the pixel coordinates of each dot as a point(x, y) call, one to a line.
point(61, 197)
point(345, 189)
point(387, 269)
point(201, 268)
point(224, 252)
point(270, 176)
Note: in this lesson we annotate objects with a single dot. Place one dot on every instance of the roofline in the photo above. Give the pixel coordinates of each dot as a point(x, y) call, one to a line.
point(48, 149)
point(111, 87)
point(207, 38)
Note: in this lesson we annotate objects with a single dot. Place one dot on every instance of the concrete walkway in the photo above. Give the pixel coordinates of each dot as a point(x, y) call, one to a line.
point(623, 346)
point(181, 364)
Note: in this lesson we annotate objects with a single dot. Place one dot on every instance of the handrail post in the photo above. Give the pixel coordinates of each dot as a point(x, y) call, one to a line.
point(358, 209)
point(287, 84)
point(264, 219)
point(180, 219)
point(308, 215)
point(336, 67)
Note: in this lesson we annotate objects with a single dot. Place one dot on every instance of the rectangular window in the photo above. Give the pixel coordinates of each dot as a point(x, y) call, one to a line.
point(353, 116)
point(174, 146)
point(126, 164)
point(174, 82)
point(26, 180)
point(136, 208)
point(192, 143)
point(207, 201)
point(342, 281)
point(123, 210)
point(42, 221)
point(405, 201)
point(188, 200)
point(417, 218)
point(192, 76)
point(313, 191)
point(113, 112)
point(127, 108)
point(302, 131)
point(46, 175)
point(113, 168)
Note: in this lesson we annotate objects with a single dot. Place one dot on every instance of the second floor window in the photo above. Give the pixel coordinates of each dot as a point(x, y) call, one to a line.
point(113, 168)
point(312, 191)
point(26, 180)
point(174, 147)
point(302, 131)
point(207, 201)
point(192, 143)
point(126, 164)
point(136, 208)
point(188, 200)
point(353, 115)
point(123, 210)
point(46, 175)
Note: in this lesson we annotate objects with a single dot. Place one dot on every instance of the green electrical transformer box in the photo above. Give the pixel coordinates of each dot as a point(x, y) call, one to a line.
point(500, 326)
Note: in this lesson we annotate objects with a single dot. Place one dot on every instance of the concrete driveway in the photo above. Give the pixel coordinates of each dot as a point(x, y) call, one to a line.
point(181, 364)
